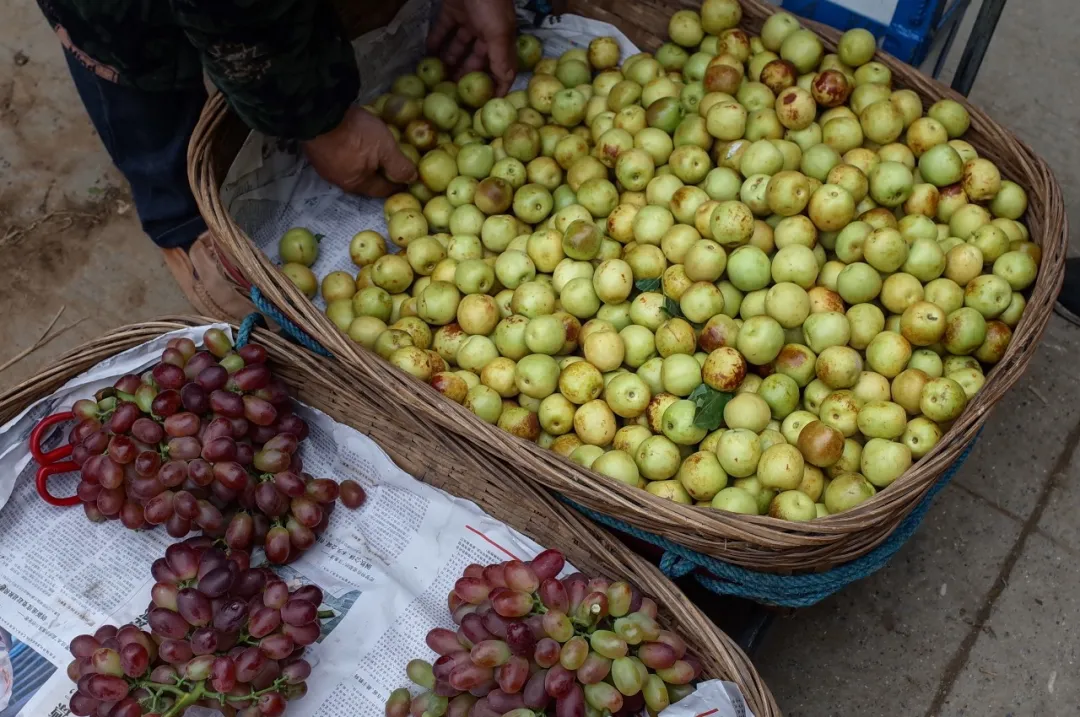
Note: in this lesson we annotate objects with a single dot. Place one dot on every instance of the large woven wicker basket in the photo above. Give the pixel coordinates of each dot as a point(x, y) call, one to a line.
point(759, 543)
point(436, 458)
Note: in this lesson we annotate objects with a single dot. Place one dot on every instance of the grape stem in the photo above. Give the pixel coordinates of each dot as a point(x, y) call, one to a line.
point(325, 614)
point(186, 699)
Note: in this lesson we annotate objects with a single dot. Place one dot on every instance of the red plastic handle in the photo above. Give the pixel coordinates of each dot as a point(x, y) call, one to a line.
point(43, 474)
point(52, 463)
point(38, 433)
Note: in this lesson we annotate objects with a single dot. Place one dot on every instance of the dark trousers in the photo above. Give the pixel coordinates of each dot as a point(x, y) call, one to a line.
point(146, 134)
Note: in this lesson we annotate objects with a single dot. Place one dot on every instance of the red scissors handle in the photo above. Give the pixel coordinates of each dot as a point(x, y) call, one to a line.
point(38, 434)
point(52, 462)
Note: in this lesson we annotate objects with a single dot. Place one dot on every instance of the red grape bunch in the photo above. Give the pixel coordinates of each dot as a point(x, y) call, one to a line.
point(529, 643)
point(204, 440)
point(222, 635)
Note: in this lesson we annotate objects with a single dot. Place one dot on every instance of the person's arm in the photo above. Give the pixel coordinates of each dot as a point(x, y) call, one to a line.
point(285, 66)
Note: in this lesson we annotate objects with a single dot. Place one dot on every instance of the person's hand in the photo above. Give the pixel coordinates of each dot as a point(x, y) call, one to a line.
point(351, 155)
point(475, 35)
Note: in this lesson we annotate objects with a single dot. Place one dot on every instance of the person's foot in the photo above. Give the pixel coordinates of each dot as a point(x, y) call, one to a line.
point(1068, 301)
point(208, 280)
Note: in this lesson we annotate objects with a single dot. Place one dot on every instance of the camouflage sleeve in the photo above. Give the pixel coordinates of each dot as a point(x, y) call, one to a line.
point(285, 66)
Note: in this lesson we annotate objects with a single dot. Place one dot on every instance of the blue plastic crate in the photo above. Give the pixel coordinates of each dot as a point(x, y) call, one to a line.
point(904, 28)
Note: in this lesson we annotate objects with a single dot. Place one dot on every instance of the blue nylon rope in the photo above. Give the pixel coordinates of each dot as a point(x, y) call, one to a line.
point(243, 334)
point(293, 331)
point(783, 590)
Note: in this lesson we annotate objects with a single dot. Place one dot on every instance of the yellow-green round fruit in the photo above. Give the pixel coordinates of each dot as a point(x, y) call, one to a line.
point(298, 246)
point(739, 452)
point(846, 491)
point(303, 278)
point(701, 475)
point(658, 458)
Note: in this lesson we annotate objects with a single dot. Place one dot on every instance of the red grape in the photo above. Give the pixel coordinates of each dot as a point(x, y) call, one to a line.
point(300, 536)
point(110, 501)
point(284, 442)
point(96, 442)
point(177, 527)
point(277, 646)
point(209, 517)
point(513, 675)
point(495, 575)
point(131, 515)
point(296, 672)
point(505, 702)
point(271, 704)
point(270, 500)
point(175, 652)
point(293, 424)
point(472, 626)
point(302, 634)
point(271, 461)
point(182, 424)
point(510, 603)
point(219, 449)
point(107, 688)
point(443, 641)
point(352, 494)
point(218, 343)
point(252, 353)
point(195, 398)
point(258, 411)
point(277, 545)
point(290, 483)
point(472, 590)
point(231, 616)
point(197, 363)
point(468, 676)
point(147, 463)
point(252, 377)
point(135, 659)
point(323, 490)
point(263, 621)
point(299, 612)
point(169, 376)
point(227, 404)
point(307, 512)
point(110, 474)
point(87, 492)
point(166, 403)
point(84, 646)
point(223, 674)
point(216, 582)
point(184, 448)
point(173, 357)
point(123, 418)
point(204, 641)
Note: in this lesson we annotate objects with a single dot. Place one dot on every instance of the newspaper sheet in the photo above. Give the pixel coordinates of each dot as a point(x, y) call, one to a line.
point(270, 187)
point(385, 569)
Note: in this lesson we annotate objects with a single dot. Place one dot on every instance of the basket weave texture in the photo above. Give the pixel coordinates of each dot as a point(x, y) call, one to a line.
point(438, 459)
point(759, 543)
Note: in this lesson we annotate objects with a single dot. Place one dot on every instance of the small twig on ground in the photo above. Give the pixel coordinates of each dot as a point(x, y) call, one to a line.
point(42, 340)
point(14, 233)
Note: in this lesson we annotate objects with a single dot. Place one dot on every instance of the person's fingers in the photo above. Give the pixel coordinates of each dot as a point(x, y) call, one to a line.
point(458, 46)
point(440, 31)
point(502, 58)
point(477, 59)
point(376, 185)
point(397, 167)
